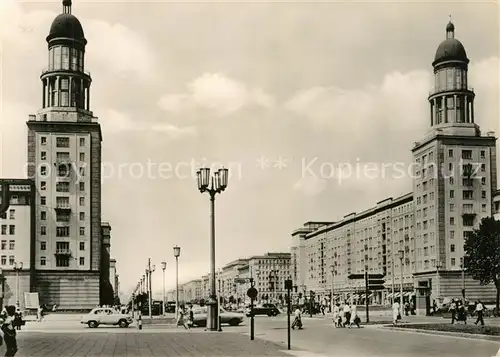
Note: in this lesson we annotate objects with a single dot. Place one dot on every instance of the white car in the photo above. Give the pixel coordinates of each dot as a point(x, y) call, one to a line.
point(106, 316)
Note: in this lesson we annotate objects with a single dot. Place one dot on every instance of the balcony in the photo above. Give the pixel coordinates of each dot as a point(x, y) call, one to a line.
point(468, 182)
point(63, 206)
point(64, 160)
point(63, 252)
point(467, 171)
point(456, 89)
point(47, 70)
point(468, 211)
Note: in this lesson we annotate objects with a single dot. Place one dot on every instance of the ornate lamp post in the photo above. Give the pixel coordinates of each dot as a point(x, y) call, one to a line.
point(332, 301)
point(163, 267)
point(462, 266)
point(212, 185)
point(401, 257)
point(17, 268)
point(177, 253)
point(220, 302)
point(149, 271)
point(438, 265)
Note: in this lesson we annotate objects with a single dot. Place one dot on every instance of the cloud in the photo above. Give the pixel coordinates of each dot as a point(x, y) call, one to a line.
point(111, 48)
point(218, 93)
point(116, 122)
point(310, 185)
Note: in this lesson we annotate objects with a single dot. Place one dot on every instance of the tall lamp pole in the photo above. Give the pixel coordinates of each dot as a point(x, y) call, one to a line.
point(332, 301)
point(149, 271)
point(177, 253)
point(220, 302)
point(438, 283)
point(212, 185)
point(17, 268)
point(163, 268)
point(1, 287)
point(462, 266)
point(401, 257)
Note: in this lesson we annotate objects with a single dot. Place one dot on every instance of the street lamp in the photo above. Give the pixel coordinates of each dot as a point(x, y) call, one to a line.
point(332, 303)
point(163, 267)
point(177, 253)
point(438, 266)
point(462, 266)
point(149, 271)
point(401, 257)
point(1, 287)
point(212, 185)
point(220, 302)
point(17, 268)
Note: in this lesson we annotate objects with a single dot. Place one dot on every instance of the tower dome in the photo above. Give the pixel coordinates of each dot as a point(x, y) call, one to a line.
point(66, 26)
point(450, 49)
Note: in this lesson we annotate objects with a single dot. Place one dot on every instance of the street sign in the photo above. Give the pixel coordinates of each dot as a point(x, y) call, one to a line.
point(252, 293)
point(241, 280)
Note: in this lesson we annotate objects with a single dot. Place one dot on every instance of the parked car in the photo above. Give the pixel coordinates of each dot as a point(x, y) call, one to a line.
point(264, 309)
point(106, 316)
point(231, 318)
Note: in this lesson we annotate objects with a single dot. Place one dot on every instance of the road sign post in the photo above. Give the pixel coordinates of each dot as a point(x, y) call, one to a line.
point(367, 301)
point(252, 294)
point(288, 287)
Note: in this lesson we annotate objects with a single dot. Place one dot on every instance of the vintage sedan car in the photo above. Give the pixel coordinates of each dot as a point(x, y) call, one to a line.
point(231, 318)
point(106, 316)
point(264, 309)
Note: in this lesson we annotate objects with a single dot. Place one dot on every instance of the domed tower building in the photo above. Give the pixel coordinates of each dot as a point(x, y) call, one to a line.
point(454, 180)
point(64, 157)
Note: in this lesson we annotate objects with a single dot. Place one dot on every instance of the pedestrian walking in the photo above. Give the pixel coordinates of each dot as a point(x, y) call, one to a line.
point(354, 316)
point(395, 312)
point(347, 315)
point(9, 331)
point(479, 310)
point(39, 313)
point(453, 310)
point(461, 313)
point(297, 322)
point(336, 316)
point(182, 321)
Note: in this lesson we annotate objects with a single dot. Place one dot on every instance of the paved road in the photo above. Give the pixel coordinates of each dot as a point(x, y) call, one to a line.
point(320, 337)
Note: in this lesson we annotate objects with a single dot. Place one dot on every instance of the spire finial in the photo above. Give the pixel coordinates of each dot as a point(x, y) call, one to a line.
point(67, 6)
point(450, 30)
point(450, 17)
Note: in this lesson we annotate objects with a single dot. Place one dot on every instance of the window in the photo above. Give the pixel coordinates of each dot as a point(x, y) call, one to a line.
point(62, 232)
point(452, 194)
point(57, 57)
point(64, 92)
point(467, 195)
point(4, 229)
point(452, 234)
point(483, 154)
point(12, 259)
point(74, 59)
point(82, 171)
point(82, 186)
point(43, 155)
point(4, 245)
point(467, 154)
point(43, 215)
point(452, 248)
point(483, 208)
point(452, 262)
point(43, 245)
point(4, 260)
point(65, 58)
point(43, 200)
point(12, 229)
point(82, 201)
point(82, 261)
point(452, 221)
point(63, 217)
point(82, 245)
point(452, 180)
point(483, 194)
point(82, 156)
point(43, 140)
point(12, 214)
point(452, 207)
point(62, 187)
point(82, 231)
point(62, 142)
point(450, 166)
point(62, 262)
point(43, 185)
point(62, 155)
point(63, 171)
point(483, 180)
point(483, 167)
point(43, 171)
point(43, 230)
point(450, 153)
point(468, 222)
point(43, 261)
point(82, 141)
point(12, 244)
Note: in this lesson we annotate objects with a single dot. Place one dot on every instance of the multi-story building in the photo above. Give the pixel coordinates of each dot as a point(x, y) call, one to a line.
point(17, 224)
point(420, 235)
point(64, 158)
point(269, 272)
point(455, 175)
point(113, 276)
point(205, 286)
point(496, 205)
point(192, 290)
point(226, 280)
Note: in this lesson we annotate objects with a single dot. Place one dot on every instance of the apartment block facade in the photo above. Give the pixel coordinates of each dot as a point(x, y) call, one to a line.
point(496, 205)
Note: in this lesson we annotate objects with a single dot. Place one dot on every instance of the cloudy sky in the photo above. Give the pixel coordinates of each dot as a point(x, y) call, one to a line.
point(281, 92)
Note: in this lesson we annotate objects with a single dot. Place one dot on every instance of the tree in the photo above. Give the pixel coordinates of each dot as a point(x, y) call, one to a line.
point(482, 254)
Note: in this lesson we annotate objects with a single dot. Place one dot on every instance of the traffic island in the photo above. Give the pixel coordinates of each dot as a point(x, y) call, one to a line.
point(471, 331)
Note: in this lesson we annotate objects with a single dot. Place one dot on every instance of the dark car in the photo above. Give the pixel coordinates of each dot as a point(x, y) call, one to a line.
point(264, 309)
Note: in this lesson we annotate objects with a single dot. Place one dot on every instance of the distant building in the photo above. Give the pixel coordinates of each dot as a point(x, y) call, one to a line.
point(496, 205)
point(191, 290)
point(269, 272)
point(17, 239)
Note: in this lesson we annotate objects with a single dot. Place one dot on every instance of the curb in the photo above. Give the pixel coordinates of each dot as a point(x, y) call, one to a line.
point(444, 333)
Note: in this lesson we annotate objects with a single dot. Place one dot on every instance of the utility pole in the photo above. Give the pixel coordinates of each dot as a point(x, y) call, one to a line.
point(150, 298)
